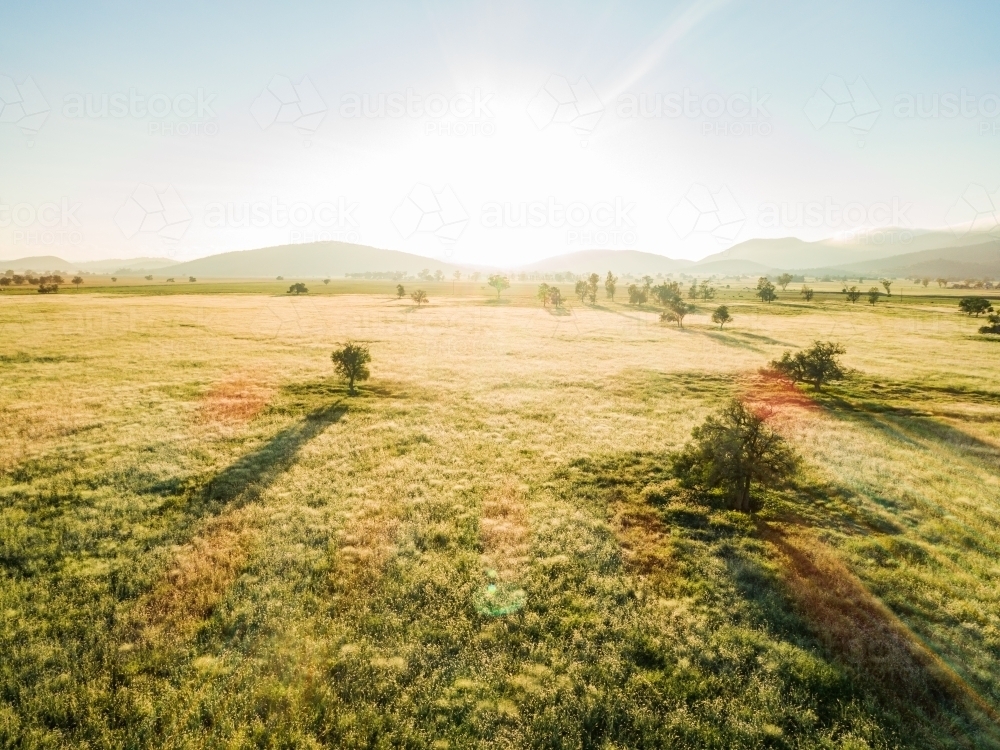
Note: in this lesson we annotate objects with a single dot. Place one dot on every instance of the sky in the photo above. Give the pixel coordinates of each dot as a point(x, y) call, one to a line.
point(492, 133)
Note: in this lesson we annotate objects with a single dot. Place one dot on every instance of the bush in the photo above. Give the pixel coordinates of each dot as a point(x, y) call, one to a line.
point(351, 363)
point(994, 326)
point(736, 451)
point(815, 365)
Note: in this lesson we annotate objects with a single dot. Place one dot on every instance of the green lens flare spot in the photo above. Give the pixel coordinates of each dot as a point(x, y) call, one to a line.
point(498, 599)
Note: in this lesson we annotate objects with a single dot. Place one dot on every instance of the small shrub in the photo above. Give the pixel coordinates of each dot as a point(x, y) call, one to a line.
point(994, 326)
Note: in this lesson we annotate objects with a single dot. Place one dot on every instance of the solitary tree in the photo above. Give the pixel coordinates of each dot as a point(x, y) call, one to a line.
point(815, 365)
point(784, 280)
point(873, 295)
point(420, 297)
point(192, 279)
point(721, 316)
point(4, 281)
point(887, 283)
point(326, 281)
point(610, 284)
point(765, 290)
point(351, 363)
point(148, 278)
point(499, 282)
point(925, 282)
point(853, 294)
point(581, 290)
point(298, 288)
point(400, 291)
point(975, 306)
point(543, 294)
point(806, 293)
point(114, 278)
point(736, 451)
point(77, 280)
point(555, 296)
point(592, 282)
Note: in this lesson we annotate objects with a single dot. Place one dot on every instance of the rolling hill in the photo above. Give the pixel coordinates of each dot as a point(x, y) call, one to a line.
point(313, 260)
point(975, 261)
point(111, 265)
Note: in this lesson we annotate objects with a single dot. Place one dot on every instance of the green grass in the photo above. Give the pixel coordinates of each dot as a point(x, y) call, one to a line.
point(205, 542)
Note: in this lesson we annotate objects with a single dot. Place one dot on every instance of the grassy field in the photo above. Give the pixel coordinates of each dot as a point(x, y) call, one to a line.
point(204, 542)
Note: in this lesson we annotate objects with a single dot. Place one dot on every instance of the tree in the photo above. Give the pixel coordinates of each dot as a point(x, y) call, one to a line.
point(765, 290)
point(114, 278)
point(400, 291)
point(942, 282)
point(457, 275)
point(784, 280)
point(18, 279)
point(853, 294)
point(636, 295)
point(721, 316)
point(298, 288)
point(77, 280)
point(420, 297)
point(873, 295)
point(667, 292)
point(975, 306)
point(693, 290)
point(806, 293)
point(439, 275)
point(148, 278)
point(707, 292)
point(543, 294)
point(326, 281)
point(351, 363)
point(280, 278)
point(192, 279)
point(555, 296)
point(925, 282)
point(592, 281)
point(475, 276)
point(610, 284)
point(581, 290)
point(887, 283)
point(4, 281)
point(675, 312)
point(499, 282)
point(815, 365)
point(736, 450)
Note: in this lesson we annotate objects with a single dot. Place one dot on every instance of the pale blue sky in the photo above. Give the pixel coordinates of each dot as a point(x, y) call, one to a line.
point(684, 186)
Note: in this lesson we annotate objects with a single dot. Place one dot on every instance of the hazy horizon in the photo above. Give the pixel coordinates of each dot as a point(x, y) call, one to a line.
point(678, 130)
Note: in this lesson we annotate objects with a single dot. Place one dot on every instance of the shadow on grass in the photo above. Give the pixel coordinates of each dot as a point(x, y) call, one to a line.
point(245, 479)
point(559, 312)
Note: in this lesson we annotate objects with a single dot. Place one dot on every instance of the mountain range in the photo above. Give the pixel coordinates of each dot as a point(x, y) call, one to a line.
point(911, 254)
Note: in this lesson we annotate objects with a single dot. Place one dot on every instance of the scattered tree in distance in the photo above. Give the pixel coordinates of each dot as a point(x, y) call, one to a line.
point(351, 363)
point(499, 282)
point(420, 297)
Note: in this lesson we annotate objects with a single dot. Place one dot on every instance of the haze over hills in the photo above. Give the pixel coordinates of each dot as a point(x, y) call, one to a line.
point(110, 265)
point(632, 262)
point(316, 259)
point(919, 253)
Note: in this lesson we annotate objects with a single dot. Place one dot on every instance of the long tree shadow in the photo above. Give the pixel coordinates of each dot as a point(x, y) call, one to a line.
point(245, 479)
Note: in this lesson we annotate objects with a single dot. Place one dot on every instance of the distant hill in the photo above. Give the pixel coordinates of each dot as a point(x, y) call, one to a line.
point(793, 254)
point(313, 260)
point(600, 261)
point(970, 262)
point(114, 265)
point(731, 267)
